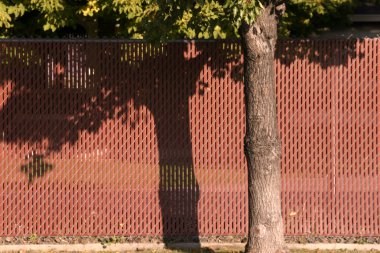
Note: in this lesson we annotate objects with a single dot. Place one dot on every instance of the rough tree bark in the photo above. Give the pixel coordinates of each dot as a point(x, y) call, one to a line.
point(262, 144)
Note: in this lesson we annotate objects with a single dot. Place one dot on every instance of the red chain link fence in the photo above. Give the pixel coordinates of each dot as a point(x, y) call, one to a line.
point(127, 138)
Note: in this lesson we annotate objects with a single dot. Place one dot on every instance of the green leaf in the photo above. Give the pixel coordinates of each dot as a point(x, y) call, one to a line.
point(46, 27)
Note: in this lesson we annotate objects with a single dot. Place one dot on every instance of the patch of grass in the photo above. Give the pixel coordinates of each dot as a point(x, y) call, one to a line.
point(33, 238)
point(110, 240)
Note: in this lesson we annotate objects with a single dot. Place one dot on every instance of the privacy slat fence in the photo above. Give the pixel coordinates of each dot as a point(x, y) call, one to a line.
point(113, 137)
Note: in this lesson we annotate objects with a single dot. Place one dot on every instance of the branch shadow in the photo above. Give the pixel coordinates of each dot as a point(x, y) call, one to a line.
point(54, 91)
point(36, 167)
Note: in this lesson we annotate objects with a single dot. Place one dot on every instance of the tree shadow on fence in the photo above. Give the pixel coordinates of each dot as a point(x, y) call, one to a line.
point(56, 90)
point(323, 52)
point(51, 101)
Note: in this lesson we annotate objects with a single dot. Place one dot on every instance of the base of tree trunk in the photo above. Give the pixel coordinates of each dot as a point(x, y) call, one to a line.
point(280, 250)
point(258, 245)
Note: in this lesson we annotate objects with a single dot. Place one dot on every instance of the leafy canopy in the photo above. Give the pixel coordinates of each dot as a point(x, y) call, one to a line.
point(159, 19)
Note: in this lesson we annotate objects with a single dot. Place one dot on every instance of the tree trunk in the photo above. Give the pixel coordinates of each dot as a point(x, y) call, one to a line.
point(262, 144)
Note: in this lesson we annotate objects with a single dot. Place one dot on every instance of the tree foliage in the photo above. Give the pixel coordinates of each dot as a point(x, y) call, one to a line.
point(159, 19)
point(305, 16)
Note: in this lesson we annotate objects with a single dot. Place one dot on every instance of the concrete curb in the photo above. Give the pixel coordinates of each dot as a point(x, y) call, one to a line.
point(96, 247)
